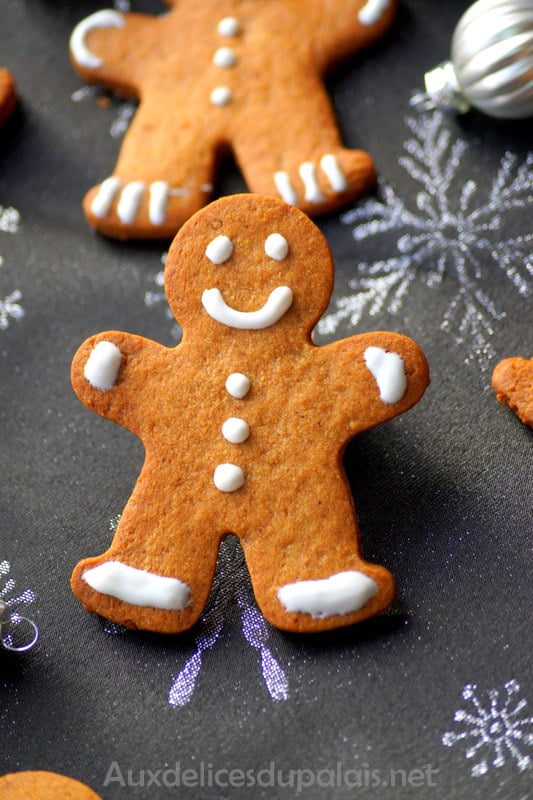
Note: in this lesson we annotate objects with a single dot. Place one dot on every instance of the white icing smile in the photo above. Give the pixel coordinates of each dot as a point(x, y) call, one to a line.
point(279, 301)
point(78, 47)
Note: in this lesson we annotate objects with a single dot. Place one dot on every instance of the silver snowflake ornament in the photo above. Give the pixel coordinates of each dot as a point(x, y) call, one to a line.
point(496, 732)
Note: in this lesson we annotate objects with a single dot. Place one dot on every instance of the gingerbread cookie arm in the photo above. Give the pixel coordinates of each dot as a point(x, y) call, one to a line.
point(111, 375)
point(102, 44)
point(356, 24)
point(386, 373)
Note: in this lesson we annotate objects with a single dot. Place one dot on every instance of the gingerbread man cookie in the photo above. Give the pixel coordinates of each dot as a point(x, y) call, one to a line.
point(512, 380)
point(8, 97)
point(222, 76)
point(43, 785)
point(244, 425)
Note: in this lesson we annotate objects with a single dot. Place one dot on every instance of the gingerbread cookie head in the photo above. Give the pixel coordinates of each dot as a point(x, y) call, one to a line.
point(225, 76)
point(236, 268)
point(244, 424)
point(43, 785)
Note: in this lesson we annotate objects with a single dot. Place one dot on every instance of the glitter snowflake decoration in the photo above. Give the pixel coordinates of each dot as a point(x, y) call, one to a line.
point(16, 631)
point(457, 233)
point(156, 298)
point(496, 732)
point(10, 308)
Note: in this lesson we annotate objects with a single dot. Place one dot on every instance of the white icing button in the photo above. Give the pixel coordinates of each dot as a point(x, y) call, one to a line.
point(225, 57)
point(228, 477)
point(229, 26)
point(235, 430)
point(221, 96)
point(219, 249)
point(341, 593)
point(389, 371)
point(276, 246)
point(372, 11)
point(238, 385)
point(102, 366)
point(137, 586)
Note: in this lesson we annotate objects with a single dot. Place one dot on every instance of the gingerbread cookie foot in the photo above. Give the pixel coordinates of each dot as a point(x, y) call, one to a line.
point(141, 209)
point(327, 182)
point(512, 381)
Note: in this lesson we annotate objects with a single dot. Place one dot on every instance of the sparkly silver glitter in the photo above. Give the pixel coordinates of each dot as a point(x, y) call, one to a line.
point(495, 733)
point(457, 233)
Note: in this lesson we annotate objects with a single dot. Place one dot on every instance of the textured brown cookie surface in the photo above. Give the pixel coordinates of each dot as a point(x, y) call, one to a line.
point(512, 379)
point(42, 785)
point(244, 424)
point(222, 76)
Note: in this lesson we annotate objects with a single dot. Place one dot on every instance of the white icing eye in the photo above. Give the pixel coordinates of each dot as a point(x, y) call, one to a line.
point(276, 246)
point(219, 249)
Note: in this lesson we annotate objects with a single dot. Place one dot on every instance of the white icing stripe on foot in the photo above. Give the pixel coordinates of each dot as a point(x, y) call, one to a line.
point(307, 173)
point(138, 587)
point(129, 202)
point(102, 366)
point(103, 200)
point(333, 172)
point(372, 11)
point(340, 594)
point(389, 371)
point(100, 19)
point(157, 209)
point(285, 188)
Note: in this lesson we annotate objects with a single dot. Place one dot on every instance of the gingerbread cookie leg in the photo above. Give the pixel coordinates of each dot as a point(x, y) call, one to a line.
point(316, 579)
point(302, 160)
point(137, 583)
point(157, 184)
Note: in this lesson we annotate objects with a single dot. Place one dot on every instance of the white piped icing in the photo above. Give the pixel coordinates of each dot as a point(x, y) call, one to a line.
point(229, 26)
point(225, 58)
point(276, 247)
point(219, 249)
point(138, 587)
point(157, 208)
point(235, 430)
point(102, 366)
point(333, 172)
point(107, 18)
point(228, 477)
point(285, 188)
point(130, 201)
point(238, 385)
point(307, 171)
point(372, 11)
point(342, 594)
point(221, 96)
point(103, 199)
point(278, 303)
point(389, 371)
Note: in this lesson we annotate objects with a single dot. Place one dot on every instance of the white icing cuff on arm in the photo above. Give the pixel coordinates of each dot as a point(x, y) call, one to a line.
point(101, 369)
point(339, 594)
point(138, 587)
point(389, 371)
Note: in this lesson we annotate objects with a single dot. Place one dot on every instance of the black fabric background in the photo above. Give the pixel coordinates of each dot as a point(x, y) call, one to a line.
point(443, 494)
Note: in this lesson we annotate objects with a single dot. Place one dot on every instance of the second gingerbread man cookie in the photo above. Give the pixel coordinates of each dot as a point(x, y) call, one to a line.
point(244, 424)
point(225, 75)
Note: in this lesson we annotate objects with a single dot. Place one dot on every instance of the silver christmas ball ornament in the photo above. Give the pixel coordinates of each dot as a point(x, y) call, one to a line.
point(491, 63)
